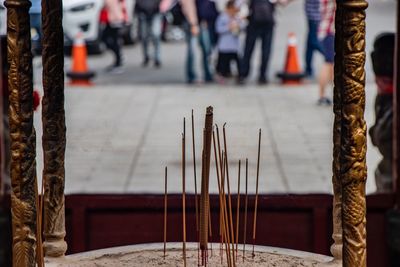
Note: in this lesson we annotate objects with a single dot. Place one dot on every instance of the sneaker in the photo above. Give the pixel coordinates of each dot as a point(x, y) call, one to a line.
point(157, 64)
point(324, 101)
point(240, 80)
point(328, 101)
point(116, 70)
point(262, 81)
point(145, 62)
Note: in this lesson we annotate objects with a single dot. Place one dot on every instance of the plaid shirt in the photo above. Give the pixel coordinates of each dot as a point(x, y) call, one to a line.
point(312, 10)
point(327, 25)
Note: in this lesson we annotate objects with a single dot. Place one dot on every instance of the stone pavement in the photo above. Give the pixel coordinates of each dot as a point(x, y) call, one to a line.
point(120, 138)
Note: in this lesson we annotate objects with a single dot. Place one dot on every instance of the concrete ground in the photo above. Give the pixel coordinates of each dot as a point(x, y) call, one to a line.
point(120, 139)
point(126, 128)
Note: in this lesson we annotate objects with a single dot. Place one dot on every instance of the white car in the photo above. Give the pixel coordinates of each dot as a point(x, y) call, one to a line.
point(84, 16)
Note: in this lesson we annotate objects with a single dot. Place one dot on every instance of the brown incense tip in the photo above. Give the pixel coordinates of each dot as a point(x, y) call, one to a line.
point(209, 111)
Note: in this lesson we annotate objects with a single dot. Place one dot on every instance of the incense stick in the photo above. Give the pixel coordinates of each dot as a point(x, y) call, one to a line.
point(220, 198)
point(229, 191)
point(245, 209)
point(238, 211)
point(196, 200)
point(165, 210)
point(221, 202)
point(256, 201)
point(195, 175)
point(229, 211)
point(39, 220)
point(183, 190)
point(225, 214)
point(210, 225)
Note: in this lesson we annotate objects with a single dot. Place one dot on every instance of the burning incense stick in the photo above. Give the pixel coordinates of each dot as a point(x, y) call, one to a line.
point(205, 177)
point(195, 176)
point(229, 192)
point(165, 210)
point(256, 201)
point(238, 211)
point(183, 190)
point(245, 209)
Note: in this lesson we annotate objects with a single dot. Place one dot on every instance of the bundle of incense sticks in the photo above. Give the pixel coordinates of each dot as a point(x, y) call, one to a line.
point(204, 198)
point(229, 237)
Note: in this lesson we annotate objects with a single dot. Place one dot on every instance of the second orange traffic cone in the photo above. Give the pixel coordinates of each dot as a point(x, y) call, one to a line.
point(80, 74)
point(291, 73)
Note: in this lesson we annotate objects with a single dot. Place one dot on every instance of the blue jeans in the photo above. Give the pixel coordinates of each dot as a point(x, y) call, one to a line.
point(312, 44)
point(205, 44)
point(150, 30)
point(265, 33)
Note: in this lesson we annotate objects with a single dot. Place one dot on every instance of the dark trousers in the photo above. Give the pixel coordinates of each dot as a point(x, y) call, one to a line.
point(312, 44)
point(111, 40)
point(265, 33)
point(224, 63)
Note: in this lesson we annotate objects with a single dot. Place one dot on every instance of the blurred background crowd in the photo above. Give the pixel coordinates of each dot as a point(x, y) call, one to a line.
point(225, 31)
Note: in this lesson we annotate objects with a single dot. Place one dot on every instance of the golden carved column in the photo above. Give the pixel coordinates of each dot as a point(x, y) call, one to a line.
point(350, 134)
point(22, 132)
point(54, 140)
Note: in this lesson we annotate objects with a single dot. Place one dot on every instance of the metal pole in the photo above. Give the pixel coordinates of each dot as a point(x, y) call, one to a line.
point(349, 111)
point(53, 117)
point(23, 137)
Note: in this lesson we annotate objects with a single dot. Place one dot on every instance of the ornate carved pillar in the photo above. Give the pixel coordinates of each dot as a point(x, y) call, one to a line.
point(349, 166)
point(53, 116)
point(23, 137)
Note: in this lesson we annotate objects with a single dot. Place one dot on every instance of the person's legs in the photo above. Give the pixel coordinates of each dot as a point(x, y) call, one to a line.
point(326, 75)
point(111, 39)
point(116, 47)
point(156, 35)
point(235, 58)
point(223, 64)
point(311, 36)
point(325, 78)
point(266, 37)
point(190, 58)
point(205, 45)
point(145, 35)
point(251, 37)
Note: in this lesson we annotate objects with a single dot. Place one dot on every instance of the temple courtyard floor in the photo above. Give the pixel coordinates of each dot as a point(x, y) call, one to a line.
point(120, 138)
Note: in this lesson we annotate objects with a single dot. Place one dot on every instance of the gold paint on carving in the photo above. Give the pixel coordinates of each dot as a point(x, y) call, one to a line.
point(349, 166)
point(22, 132)
point(54, 130)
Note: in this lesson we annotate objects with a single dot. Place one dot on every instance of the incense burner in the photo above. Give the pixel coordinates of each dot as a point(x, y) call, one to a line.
point(152, 255)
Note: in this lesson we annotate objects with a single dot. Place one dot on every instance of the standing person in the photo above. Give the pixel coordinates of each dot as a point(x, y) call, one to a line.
point(206, 13)
point(327, 37)
point(228, 27)
point(261, 25)
point(150, 20)
point(313, 14)
point(114, 20)
point(382, 131)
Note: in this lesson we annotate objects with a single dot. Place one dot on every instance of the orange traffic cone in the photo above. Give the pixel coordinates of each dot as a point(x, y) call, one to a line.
point(291, 73)
point(80, 74)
